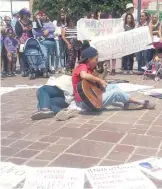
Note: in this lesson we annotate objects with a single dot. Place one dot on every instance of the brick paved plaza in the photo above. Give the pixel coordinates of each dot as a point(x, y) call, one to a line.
point(109, 138)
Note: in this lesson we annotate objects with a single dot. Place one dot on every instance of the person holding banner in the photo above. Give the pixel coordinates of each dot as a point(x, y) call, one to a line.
point(128, 60)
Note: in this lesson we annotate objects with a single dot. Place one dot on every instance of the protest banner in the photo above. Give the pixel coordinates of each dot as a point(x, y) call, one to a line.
point(87, 29)
point(11, 175)
point(55, 178)
point(122, 44)
point(118, 177)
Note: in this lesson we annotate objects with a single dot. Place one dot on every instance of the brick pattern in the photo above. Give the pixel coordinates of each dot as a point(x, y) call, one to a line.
point(109, 138)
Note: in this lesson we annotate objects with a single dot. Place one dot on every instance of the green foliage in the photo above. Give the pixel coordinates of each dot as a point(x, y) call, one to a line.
point(79, 8)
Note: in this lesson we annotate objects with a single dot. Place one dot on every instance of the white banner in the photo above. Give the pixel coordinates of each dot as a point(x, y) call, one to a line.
point(87, 29)
point(118, 177)
point(122, 44)
point(55, 178)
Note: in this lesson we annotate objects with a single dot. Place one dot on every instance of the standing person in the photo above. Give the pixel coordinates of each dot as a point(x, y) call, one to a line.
point(155, 30)
point(60, 44)
point(47, 33)
point(129, 10)
point(69, 35)
point(11, 45)
point(91, 15)
point(142, 56)
point(15, 18)
point(128, 60)
point(23, 29)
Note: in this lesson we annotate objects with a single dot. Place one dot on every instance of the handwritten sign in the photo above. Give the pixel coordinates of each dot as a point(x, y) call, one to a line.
point(118, 177)
point(87, 29)
point(11, 175)
point(55, 178)
point(122, 44)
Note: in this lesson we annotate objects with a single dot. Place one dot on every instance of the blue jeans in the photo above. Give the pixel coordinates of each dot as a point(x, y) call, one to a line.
point(57, 55)
point(128, 62)
point(50, 46)
point(111, 96)
point(51, 97)
point(142, 58)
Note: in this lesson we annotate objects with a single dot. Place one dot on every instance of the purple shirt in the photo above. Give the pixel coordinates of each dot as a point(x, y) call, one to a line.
point(46, 26)
point(11, 44)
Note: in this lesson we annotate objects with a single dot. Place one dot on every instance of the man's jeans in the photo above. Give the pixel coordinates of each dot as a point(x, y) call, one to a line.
point(111, 96)
point(51, 97)
point(142, 59)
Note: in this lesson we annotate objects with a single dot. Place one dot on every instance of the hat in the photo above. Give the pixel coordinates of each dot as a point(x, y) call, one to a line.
point(15, 12)
point(24, 11)
point(90, 52)
point(129, 5)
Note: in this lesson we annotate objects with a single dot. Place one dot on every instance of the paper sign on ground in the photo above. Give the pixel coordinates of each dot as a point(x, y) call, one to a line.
point(55, 178)
point(118, 177)
point(87, 29)
point(4, 90)
point(151, 166)
point(11, 175)
point(122, 44)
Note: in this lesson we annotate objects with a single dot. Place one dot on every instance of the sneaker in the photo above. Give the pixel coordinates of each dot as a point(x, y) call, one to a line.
point(9, 74)
point(14, 73)
point(149, 105)
point(144, 68)
point(131, 72)
point(66, 114)
point(132, 106)
point(42, 115)
point(125, 72)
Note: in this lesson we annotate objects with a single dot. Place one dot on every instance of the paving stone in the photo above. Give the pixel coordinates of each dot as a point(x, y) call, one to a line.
point(137, 131)
point(119, 127)
point(38, 146)
point(137, 158)
point(7, 141)
point(155, 128)
point(110, 163)
point(122, 119)
point(94, 122)
point(160, 154)
point(5, 134)
point(105, 136)
point(48, 156)
point(33, 137)
point(141, 140)
point(3, 158)
point(49, 139)
point(71, 132)
point(57, 148)
point(124, 148)
point(17, 135)
point(74, 161)
point(90, 148)
point(154, 133)
point(8, 151)
point(37, 163)
point(17, 161)
point(141, 126)
point(145, 151)
point(66, 141)
point(118, 156)
point(26, 153)
point(74, 125)
point(88, 126)
point(21, 144)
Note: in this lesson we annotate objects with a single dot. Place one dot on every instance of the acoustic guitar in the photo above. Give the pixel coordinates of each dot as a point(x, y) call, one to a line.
point(91, 93)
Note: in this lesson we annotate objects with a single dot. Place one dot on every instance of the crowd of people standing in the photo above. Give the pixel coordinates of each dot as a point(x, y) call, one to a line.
point(59, 39)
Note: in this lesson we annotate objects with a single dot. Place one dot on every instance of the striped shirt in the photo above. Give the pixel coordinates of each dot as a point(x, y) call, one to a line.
point(71, 33)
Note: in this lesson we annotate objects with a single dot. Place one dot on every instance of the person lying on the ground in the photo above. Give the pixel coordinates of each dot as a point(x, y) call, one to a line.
point(53, 97)
point(112, 93)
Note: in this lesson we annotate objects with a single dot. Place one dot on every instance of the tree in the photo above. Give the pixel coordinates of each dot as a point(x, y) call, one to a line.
point(79, 8)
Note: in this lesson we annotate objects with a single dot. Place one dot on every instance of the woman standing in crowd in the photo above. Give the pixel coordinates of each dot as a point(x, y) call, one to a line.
point(69, 35)
point(23, 29)
point(128, 60)
point(155, 31)
point(143, 56)
point(60, 44)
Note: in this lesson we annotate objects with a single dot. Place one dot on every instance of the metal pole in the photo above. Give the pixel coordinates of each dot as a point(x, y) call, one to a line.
point(139, 10)
point(11, 7)
point(157, 7)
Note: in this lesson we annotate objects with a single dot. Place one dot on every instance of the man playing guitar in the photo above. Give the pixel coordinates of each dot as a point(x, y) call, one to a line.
point(112, 94)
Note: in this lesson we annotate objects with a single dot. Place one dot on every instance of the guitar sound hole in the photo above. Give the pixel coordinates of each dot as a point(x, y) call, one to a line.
point(93, 92)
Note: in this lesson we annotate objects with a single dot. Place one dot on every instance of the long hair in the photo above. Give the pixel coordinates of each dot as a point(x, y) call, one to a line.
point(60, 21)
point(132, 24)
point(89, 15)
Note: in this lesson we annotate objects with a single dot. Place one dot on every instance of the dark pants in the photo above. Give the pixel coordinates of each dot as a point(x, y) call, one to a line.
point(51, 97)
point(128, 62)
point(142, 59)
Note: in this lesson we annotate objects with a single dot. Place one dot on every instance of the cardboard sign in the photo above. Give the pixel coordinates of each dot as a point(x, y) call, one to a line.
point(87, 29)
point(122, 44)
point(55, 178)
